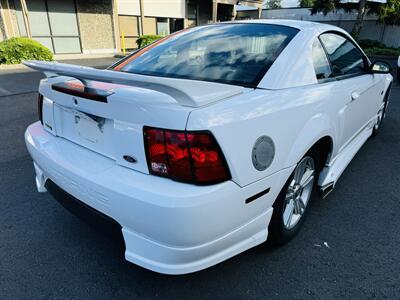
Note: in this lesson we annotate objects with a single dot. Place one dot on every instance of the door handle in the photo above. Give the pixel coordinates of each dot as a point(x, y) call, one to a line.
point(354, 96)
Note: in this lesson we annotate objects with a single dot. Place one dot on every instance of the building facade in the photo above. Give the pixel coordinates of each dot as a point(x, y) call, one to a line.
point(105, 26)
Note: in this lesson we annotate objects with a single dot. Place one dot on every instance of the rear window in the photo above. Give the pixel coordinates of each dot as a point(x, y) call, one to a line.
point(237, 54)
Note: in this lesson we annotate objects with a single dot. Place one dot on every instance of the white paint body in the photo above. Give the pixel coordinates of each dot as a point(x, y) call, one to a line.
point(172, 227)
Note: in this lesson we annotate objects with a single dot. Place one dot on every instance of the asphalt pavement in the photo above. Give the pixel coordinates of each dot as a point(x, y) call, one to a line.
point(348, 247)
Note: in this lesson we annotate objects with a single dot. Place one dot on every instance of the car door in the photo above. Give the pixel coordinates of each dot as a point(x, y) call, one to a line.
point(361, 89)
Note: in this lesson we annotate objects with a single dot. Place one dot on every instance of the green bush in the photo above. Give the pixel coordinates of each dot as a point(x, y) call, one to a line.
point(15, 50)
point(370, 44)
point(146, 39)
point(382, 51)
point(372, 48)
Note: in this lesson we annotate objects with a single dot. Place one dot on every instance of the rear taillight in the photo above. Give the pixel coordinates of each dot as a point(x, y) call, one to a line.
point(185, 156)
point(40, 107)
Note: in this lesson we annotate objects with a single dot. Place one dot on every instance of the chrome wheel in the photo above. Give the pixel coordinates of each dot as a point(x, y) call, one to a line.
point(299, 192)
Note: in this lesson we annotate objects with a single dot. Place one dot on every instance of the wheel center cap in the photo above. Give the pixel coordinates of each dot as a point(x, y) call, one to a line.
point(297, 191)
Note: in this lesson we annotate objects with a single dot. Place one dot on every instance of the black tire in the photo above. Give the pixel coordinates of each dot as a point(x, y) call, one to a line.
point(278, 234)
point(378, 126)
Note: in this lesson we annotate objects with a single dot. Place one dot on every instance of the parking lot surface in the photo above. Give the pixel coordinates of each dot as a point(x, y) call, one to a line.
point(348, 248)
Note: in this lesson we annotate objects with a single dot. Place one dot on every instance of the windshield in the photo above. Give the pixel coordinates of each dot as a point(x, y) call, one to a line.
point(228, 53)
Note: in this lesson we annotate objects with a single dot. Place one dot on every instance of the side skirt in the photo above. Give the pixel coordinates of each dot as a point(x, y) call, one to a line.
point(331, 173)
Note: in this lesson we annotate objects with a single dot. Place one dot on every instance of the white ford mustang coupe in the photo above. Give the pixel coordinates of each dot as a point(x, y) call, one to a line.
point(210, 141)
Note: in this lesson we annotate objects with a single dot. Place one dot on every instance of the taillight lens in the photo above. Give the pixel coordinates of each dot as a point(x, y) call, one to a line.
point(185, 156)
point(40, 107)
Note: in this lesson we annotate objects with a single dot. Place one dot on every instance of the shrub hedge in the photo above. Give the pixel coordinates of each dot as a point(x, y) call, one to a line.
point(15, 50)
point(372, 48)
point(147, 39)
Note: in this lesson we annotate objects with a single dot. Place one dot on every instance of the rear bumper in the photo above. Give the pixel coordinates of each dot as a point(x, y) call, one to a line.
point(83, 211)
point(168, 227)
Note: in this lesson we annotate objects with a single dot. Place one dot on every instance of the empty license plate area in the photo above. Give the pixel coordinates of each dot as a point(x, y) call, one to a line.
point(87, 130)
point(88, 126)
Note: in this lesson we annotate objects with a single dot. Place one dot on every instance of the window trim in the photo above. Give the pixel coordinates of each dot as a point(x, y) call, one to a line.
point(367, 62)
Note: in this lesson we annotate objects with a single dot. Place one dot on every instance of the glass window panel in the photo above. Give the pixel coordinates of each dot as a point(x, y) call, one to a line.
point(45, 42)
point(321, 63)
point(20, 18)
point(66, 45)
point(128, 25)
point(345, 57)
point(162, 26)
point(62, 17)
point(175, 25)
point(37, 15)
point(230, 53)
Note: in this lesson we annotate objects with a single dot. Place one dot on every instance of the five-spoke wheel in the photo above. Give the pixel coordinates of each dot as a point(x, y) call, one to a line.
point(298, 192)
point(291, 206)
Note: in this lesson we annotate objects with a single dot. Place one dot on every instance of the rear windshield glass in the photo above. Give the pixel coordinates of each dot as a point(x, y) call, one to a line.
point(237, 54)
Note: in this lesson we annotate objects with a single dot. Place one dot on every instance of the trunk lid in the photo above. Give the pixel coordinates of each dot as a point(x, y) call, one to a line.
point(113, 128)
point(112, 125)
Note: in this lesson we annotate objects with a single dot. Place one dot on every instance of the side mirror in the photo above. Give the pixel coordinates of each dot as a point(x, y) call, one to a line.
point(380, 67)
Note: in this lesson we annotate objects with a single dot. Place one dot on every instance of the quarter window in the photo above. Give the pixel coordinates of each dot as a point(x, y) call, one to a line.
point(345, 57)
point(321, 63)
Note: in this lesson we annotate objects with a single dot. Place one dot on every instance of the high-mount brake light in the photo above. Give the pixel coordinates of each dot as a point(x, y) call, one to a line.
point(78, 89)
point(193, 157)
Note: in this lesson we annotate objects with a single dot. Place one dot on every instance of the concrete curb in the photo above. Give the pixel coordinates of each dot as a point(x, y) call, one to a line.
point(19, 67)
point(13, 67)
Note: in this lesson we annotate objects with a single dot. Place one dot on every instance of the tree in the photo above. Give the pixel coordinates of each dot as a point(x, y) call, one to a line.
point(388, 13)
point(306, 3)
point(274, 4)
point(362, 10)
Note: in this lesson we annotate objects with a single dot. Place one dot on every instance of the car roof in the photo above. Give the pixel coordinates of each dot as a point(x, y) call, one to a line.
point(294, 67)
point(298, 24)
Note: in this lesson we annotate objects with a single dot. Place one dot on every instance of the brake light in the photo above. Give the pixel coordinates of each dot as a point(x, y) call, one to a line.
point(185, 156)
point(40, 107)
point(98, 92)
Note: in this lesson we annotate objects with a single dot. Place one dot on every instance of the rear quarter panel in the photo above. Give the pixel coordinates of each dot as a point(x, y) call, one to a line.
point(294, 118)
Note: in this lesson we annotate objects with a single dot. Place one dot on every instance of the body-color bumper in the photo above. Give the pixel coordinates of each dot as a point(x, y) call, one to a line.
point(168, 227)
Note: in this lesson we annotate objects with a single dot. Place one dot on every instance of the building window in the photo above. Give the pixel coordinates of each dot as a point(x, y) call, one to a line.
point(162, 26)
point(20, 19)
point(175, 25)
point(129, 31)
point(52, 23)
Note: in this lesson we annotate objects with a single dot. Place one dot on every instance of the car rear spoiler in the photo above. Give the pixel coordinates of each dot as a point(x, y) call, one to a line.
point(85, 74)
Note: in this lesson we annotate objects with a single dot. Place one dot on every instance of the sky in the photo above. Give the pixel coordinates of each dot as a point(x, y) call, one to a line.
point(284, 4)
point(294, 3)
point(289, 3)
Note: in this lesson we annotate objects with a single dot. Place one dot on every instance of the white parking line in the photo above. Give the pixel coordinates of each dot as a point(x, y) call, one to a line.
point(4, 91)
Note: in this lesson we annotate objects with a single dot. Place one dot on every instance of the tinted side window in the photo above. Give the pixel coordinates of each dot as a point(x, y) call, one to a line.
point(321, 63)
point(345, 57)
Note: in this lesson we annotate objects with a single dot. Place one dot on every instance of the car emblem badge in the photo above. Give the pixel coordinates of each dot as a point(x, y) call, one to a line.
point(130, 159)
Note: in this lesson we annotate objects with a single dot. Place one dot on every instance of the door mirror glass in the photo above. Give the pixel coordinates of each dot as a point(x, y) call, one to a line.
point(380, 67)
